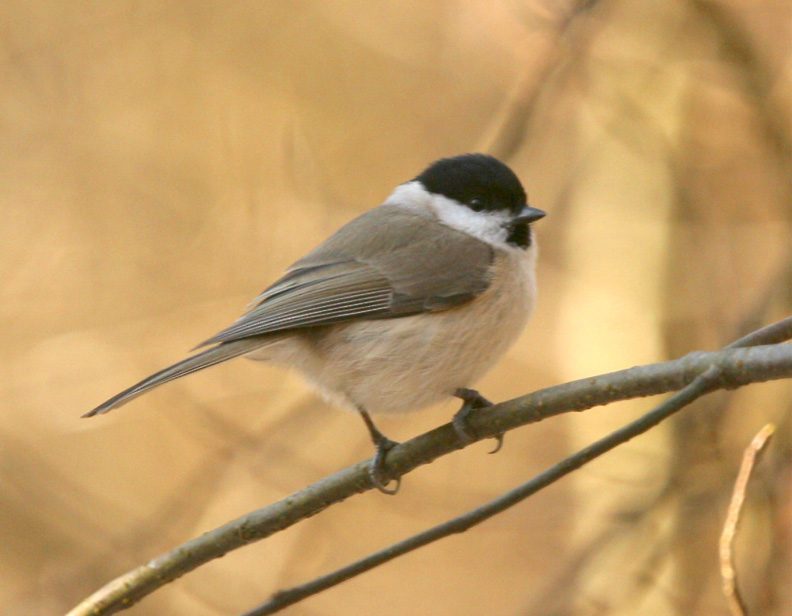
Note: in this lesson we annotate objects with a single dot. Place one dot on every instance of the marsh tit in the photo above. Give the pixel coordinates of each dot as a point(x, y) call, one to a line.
point(407, 304)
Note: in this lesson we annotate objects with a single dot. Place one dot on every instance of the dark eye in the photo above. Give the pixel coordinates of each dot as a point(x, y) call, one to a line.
point(475, 205)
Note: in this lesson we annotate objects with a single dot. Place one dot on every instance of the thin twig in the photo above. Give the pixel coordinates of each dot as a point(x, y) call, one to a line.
point(769, 334)
point(738, 367)
point(728, 570)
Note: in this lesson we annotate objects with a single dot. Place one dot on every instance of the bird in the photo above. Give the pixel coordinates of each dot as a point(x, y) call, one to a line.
point(406, 305)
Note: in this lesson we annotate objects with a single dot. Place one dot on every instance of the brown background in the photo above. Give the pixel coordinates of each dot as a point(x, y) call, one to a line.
point(162, 162)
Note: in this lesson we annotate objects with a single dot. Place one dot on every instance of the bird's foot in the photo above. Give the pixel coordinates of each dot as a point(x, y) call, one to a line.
point(377, 467)
point(472, 401)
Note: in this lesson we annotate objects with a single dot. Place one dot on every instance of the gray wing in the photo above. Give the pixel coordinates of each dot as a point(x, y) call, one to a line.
point(368, 271)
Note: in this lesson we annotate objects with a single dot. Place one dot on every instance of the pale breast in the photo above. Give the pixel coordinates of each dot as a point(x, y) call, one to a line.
point(404, 364)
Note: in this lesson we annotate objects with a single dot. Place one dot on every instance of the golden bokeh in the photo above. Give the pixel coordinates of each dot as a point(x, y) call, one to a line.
point(161, 163)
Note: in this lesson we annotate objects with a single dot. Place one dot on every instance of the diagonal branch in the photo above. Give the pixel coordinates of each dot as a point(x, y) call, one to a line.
point(737, 367)
point(703, 384)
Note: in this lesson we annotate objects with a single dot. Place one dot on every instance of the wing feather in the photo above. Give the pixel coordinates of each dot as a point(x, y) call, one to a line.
point(366, 271)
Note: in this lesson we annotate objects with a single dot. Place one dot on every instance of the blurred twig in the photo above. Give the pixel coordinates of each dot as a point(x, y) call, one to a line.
point(730, 368)
point(757, 74)
point(728, 570)
point(506, 131)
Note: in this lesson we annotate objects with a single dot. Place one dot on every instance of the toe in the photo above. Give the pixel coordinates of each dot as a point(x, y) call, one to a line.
point(377, 469)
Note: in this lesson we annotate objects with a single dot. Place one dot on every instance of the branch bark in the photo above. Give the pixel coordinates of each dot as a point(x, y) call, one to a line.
point(736, 367)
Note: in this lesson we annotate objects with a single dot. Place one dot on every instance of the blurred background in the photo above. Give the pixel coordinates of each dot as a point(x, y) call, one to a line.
point(161, 163)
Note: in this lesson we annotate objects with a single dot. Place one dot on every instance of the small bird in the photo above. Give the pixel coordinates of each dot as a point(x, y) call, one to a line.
point(407, 304)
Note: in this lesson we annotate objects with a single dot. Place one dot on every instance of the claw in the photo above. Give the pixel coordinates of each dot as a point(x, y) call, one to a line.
point(377, 467)
point(472, 401)
point(499, 444)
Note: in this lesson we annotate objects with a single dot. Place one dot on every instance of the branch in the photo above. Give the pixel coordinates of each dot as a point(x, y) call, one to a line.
point(769, 334)
point(777, 332)
point(702, 385)
point(737, 367)
point(728, 570)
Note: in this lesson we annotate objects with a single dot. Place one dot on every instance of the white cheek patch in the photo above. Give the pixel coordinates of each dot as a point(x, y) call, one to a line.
point(411, 195)
point(486, 226)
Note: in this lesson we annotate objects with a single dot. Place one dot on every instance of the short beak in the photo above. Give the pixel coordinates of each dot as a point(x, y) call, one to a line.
point(528, 214)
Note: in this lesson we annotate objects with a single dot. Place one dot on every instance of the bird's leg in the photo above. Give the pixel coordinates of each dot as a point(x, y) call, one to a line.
point(472, 401)
point(383, 445)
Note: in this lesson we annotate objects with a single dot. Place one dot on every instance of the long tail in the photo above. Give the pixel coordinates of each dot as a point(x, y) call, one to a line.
point(210, 357)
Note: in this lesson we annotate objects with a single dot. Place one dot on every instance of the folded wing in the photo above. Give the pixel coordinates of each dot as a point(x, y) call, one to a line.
point(365, 271)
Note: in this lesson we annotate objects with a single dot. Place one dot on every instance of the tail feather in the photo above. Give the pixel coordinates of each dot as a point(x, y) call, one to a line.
point(205, 359)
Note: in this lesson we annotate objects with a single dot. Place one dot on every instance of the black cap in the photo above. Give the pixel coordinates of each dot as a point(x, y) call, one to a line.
point(479, 181)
